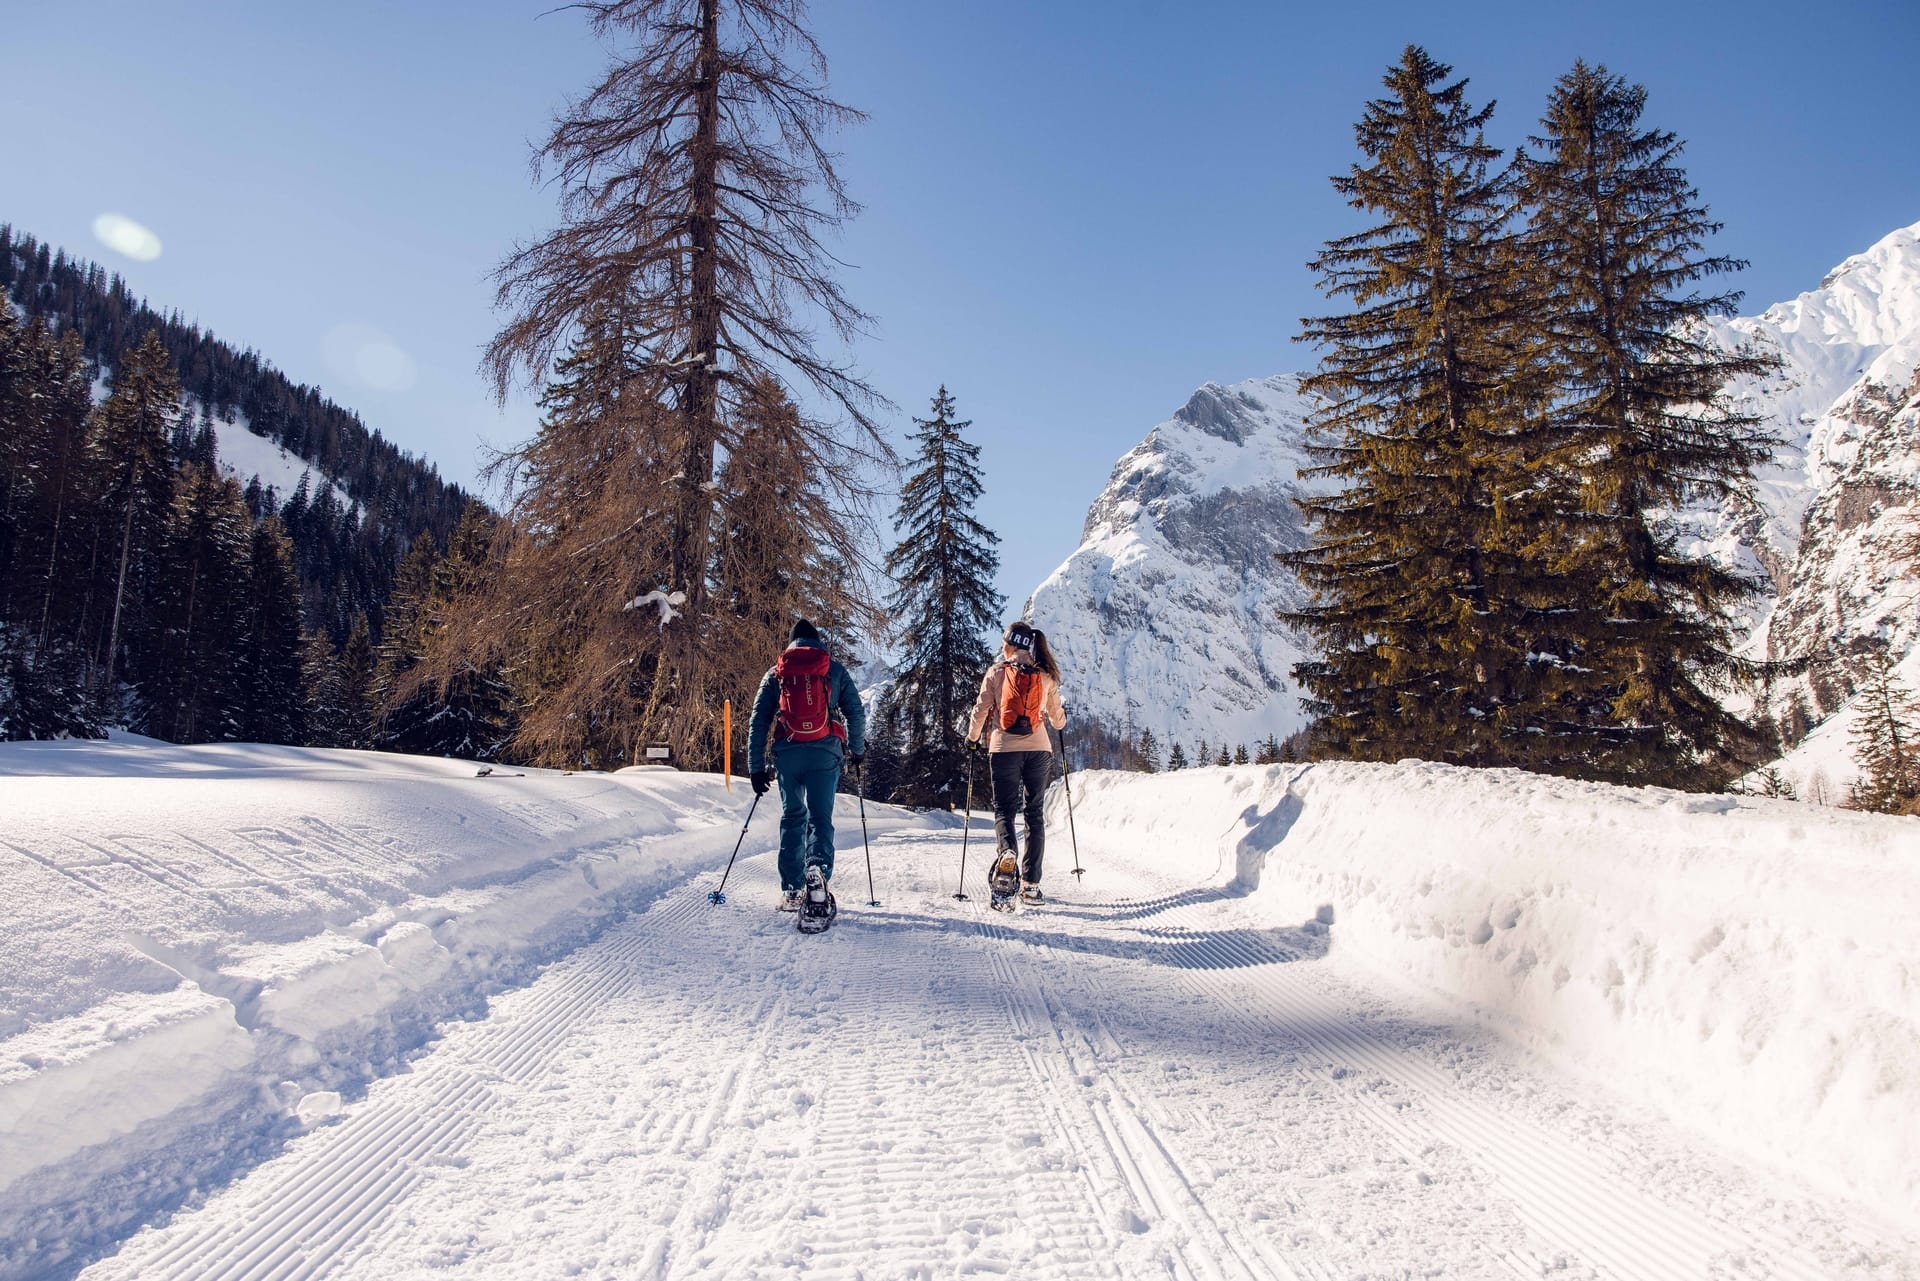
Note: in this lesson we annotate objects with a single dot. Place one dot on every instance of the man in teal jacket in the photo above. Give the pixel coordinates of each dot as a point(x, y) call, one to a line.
point(808, 767)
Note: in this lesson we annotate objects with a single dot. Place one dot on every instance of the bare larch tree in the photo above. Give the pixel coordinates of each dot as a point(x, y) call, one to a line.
point(695, 193)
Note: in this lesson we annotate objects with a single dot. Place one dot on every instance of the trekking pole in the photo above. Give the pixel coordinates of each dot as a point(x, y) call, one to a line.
point(965, 829)
point(860, 786)
point(719, 895)
point(1066, 777)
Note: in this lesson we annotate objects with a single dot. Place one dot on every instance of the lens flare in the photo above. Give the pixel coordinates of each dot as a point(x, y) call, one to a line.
point(125, 236)
point(363, 355)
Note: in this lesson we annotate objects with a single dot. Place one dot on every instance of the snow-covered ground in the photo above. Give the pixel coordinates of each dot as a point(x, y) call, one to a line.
point(244, 456)
point(276, 1013)
point(1751, 966)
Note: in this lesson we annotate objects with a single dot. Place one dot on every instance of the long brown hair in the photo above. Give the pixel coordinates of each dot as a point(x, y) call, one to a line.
point(1042, 652)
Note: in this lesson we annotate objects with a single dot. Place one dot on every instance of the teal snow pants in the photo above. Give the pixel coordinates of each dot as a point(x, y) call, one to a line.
point(809, 775)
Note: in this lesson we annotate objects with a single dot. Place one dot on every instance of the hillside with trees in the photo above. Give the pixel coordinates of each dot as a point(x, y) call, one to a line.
point(140, 584)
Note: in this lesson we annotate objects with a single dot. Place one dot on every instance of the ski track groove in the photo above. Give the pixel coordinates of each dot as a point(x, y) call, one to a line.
point(1054, 1096)
point(428, 1112)
point(1258, 1031)
point(1153, 1172)
point(812, 1063)
point(1289, 1011)
point(1563, 1192)
point(261, 1248)
point(702, 1220)
point(849, 1162)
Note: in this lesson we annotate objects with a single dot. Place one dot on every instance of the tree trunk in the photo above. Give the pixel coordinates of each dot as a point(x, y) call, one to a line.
point(120, 586)
point(189, 662)
point(53, 557)
point(693, 524)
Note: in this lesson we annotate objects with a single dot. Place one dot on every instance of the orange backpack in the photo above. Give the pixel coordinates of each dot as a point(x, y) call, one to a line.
point(1023, 697)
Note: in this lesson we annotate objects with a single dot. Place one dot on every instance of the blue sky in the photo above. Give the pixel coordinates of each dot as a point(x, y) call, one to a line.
point(1075, 213)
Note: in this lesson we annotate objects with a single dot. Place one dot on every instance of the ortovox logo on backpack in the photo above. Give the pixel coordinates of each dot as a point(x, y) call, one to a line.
point(1022, 695)
point(806, 709)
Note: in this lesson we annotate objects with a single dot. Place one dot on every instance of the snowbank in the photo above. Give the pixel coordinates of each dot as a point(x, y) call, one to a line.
point(1750, 966)
point(201, 941)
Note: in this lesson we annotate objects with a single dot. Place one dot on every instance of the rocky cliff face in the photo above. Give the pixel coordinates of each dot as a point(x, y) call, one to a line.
point(1165, 617)
point(1841, 524)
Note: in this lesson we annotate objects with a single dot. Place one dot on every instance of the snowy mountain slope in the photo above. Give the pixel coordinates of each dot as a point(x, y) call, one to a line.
point(241, 452)
point(1851, 340)
point(1165, 615)
point(1197, 1062)
point(245, 456)
point(1842, 525)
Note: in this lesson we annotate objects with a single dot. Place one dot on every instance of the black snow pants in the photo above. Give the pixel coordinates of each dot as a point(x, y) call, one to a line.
point(1020, 784)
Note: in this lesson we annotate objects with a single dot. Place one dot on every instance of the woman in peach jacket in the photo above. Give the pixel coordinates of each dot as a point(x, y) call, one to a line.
point(1019, 698)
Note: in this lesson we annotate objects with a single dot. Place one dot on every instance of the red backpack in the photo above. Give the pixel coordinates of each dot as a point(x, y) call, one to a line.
point(1023, 697)
point(806, 706)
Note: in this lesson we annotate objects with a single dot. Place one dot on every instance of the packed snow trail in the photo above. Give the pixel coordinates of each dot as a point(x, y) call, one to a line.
point(1136, 1080)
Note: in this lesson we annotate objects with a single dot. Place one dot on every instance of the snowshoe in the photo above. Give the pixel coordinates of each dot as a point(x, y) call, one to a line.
point(1030, 893)
point(1003, 882)
point(817, 908)
point(790, 900)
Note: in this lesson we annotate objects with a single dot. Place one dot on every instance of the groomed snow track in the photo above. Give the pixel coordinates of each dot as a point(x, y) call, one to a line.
point(1136, 1080)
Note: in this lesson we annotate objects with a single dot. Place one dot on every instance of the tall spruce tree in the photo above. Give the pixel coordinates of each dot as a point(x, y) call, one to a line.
point(46, 488)
point(1886, 742)
point(944, 602)
point(270, 695)
point(198, 611)
point(22, 443)
point(56, 548)
point(324, 712)
point(1640, 631)
point(129, 444)
point(403, 642)
point(1148, 752)
point(882, 767)
point(1413, 564)
point(357, 709)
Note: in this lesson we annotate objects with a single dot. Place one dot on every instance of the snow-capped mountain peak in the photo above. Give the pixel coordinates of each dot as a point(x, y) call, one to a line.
point(1166, 616)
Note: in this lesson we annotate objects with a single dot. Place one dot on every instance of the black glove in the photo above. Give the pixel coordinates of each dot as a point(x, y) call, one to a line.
point(856, 758)
point(762, 779)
